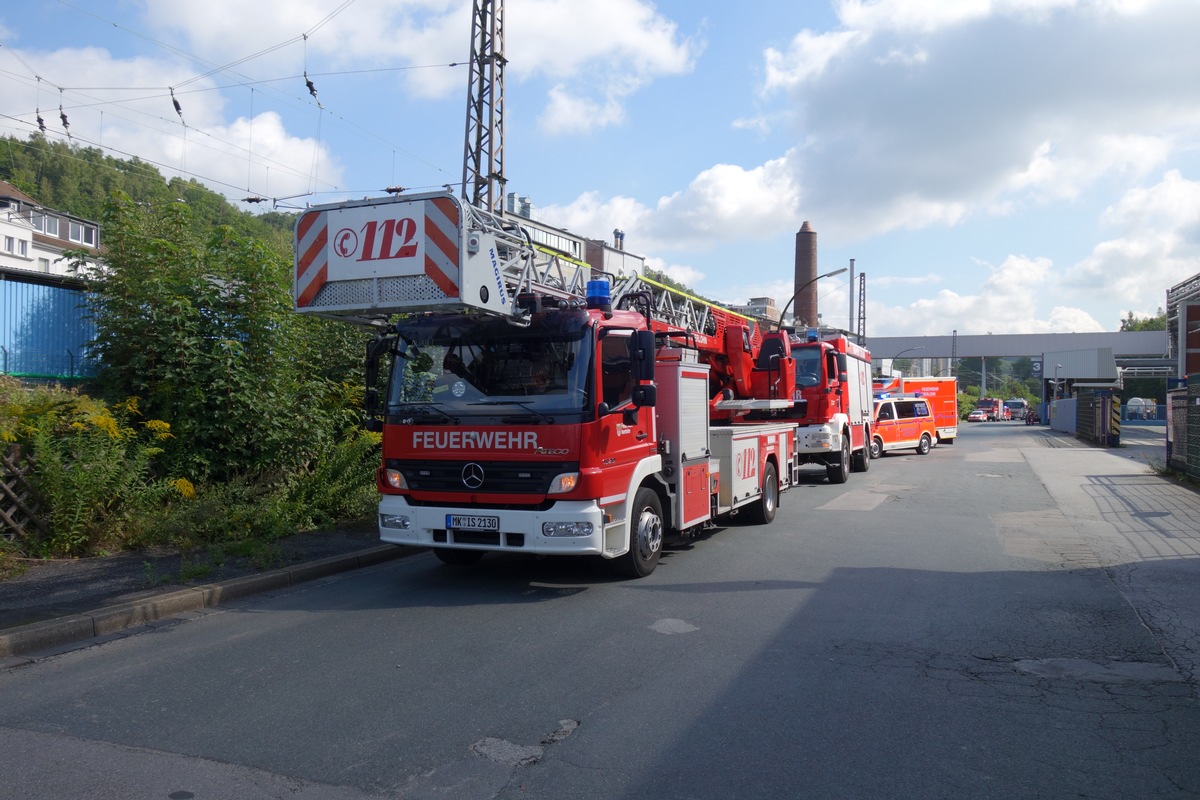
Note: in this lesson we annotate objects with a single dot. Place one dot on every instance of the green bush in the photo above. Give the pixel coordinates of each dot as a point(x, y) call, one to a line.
point(97, 473)
point(92, 467)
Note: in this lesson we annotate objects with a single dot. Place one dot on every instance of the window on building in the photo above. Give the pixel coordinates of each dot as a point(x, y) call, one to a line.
point(43, 265)
point(10, 244)
point(37, 220)
point(23, 248)
point(51, 225)
point(74, 231)
point(89, 236)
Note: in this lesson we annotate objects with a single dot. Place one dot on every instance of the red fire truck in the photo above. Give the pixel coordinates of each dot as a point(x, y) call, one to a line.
point(941, 392)
point(831, 402)
point(531, 406)
point(992, 408)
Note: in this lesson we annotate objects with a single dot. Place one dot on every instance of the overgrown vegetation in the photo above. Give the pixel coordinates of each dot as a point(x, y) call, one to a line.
point(219, 416)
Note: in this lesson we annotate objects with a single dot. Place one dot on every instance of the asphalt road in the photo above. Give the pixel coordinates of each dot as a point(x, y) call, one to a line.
point(1013, 616)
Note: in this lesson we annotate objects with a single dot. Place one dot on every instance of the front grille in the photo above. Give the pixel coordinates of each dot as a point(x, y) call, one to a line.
point(499, 477)
point(489, 538)
point(485, 538)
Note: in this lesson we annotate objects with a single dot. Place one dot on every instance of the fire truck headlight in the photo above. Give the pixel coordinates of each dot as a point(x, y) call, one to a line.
point(564, 483)
point(566, 529)
point(395, 521)
point(395, 479)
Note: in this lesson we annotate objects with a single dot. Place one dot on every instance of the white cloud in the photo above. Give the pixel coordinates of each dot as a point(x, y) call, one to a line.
point(724, 203)
point(886, 281)
point(596, 53)
point(234, 156)
point(569, 113)
point(916, 114)
point(1006, 301)
point(1158, 245)
point(808, 56)
point(682, 273)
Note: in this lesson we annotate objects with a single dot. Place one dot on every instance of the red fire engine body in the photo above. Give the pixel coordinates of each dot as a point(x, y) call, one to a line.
point(940, 391)
point(527, 409)
point(993, 408)
point(831, 402)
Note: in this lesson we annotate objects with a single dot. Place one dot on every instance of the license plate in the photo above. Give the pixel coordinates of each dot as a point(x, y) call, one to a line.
point(472, 522)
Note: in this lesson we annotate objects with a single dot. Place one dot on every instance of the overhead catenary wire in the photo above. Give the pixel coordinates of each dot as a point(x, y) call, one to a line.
point(216, 140)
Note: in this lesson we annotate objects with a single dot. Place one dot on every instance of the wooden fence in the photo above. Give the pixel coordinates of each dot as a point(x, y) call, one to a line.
point(19, 503)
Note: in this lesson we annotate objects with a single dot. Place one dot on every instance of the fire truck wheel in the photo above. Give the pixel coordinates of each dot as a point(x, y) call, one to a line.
point(861, 461)
point(876, 447)
point(764, 510)
point(925, 445)
point(839, 472)
point(645, 537)
point(457, 557)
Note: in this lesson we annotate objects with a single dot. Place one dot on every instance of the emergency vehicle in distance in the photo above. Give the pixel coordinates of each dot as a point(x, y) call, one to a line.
point(832, 402)
point(940, 391)
point(536, 405)
point(1017, 408)
point(993, 408)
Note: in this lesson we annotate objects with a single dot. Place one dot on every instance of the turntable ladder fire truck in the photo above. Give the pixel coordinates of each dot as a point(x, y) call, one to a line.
point(528, 407)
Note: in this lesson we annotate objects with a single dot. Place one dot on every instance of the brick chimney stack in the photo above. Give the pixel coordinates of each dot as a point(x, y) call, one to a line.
point(804, 304)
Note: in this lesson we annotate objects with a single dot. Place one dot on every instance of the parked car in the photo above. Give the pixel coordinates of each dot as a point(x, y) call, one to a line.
point(903, 423)
point(978, 415)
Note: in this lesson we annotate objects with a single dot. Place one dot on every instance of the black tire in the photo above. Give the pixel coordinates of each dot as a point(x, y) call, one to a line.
point(764, 510)
point(861, 461)
point(876, 447)
point(925, 445)
point(645, 535)
point(457, 558)
point(839, 472)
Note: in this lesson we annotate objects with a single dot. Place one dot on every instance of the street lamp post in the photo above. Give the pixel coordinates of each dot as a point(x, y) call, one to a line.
point(1057, 367)
point(896, 357)
point(804, 286)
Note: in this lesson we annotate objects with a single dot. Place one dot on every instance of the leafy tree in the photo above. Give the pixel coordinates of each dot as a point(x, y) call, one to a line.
point(1156, 323)
point(201, 329)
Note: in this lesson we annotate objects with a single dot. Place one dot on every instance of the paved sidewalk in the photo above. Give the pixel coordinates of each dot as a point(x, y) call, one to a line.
point(1138, 526)
point(59, 622)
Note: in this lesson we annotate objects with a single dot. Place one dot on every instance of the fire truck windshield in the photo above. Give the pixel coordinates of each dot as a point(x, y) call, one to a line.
point(471, 366)
point(808, 365)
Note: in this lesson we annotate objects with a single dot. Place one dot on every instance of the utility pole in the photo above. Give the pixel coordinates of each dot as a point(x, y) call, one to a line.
point(483, 159)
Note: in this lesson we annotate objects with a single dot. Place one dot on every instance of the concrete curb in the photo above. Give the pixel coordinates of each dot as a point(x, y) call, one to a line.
point(52, 633)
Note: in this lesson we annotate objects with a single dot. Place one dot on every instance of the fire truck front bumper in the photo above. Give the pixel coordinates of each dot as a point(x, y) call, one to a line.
point(567, 528)
point(818, 439)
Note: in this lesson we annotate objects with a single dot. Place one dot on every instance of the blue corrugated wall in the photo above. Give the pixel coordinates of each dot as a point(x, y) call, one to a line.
point(44, 332)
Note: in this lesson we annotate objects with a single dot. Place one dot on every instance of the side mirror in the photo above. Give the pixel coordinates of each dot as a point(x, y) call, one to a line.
point(645, 395)
point(641, 355)
point(370, 408)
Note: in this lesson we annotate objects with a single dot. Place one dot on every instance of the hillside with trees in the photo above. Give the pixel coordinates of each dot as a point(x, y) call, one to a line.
point(80, 180)
point(219, 418)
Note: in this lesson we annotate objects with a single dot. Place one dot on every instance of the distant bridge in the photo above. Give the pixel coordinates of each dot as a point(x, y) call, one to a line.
point(1138, 353)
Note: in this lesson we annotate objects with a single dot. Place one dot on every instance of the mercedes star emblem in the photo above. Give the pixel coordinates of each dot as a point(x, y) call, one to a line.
point(472, 476)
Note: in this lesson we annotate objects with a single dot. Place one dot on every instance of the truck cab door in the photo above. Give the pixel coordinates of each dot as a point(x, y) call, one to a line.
point(626, 428)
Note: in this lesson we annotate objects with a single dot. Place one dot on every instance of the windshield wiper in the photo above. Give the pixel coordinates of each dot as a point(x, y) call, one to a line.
point(522, 403)
point(421, 410)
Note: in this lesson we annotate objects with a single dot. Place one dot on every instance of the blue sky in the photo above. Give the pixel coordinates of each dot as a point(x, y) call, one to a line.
point(1009, 166)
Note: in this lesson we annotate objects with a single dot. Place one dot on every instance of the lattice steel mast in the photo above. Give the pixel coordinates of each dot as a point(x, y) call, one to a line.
point(483, 160)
